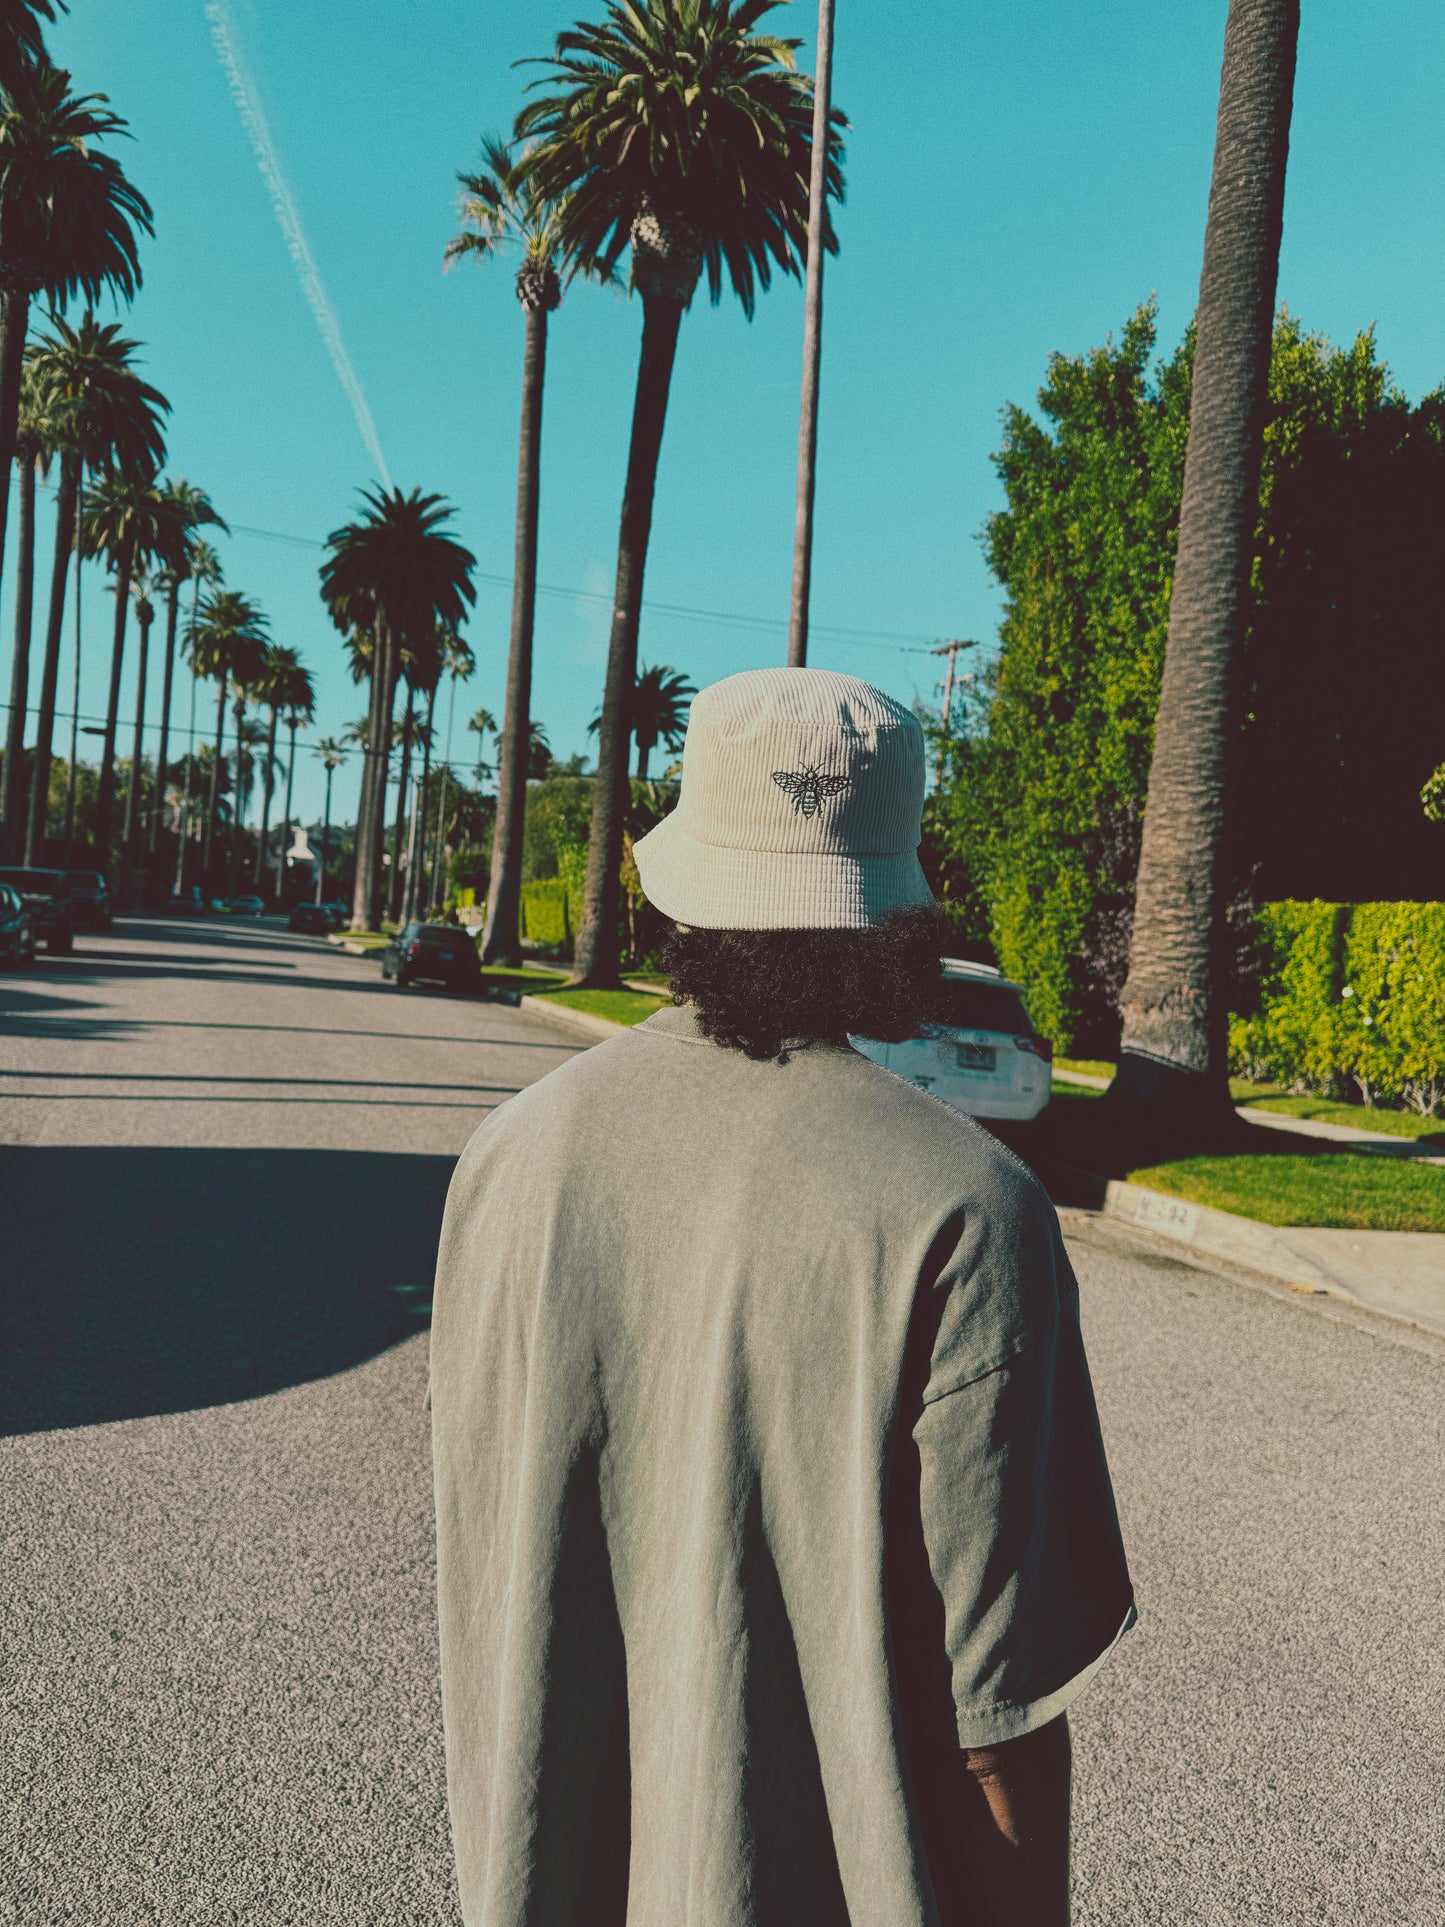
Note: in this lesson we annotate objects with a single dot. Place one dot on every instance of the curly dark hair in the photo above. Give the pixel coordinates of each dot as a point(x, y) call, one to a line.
point(764, 991)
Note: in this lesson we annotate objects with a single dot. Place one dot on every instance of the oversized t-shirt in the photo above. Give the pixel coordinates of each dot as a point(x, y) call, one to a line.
point(768, 1476)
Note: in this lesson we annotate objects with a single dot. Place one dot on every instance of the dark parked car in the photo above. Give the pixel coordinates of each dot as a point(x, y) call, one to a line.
point(435, 952)
point(339, 913)
point(186, 903)
point(17, 934)
point(88, 894)
point(311, 919)
point(51, 920)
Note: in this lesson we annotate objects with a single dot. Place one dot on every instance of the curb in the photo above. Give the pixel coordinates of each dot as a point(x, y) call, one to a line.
point(582, 1020)
point(1277, 1252)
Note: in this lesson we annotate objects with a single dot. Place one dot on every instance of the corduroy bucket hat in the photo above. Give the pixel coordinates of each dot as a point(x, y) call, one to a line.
point(800, 808)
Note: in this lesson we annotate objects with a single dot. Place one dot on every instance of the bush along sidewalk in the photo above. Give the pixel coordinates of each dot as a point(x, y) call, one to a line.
point(1351, 1002)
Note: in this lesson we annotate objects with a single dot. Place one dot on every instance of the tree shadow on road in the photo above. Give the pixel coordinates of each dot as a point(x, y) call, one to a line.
point(143, 1280)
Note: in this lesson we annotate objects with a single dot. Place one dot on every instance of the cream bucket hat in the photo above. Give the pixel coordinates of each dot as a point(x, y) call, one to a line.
point(802, 793)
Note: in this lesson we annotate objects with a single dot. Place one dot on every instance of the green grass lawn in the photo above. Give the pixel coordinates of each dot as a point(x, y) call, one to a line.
point(1269, 1097)
point(1353, 1193)
point(618, 1006)
point(1090, 1066)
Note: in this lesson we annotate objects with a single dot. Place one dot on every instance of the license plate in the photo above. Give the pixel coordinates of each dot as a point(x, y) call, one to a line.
point(974, 1057)
point(446, 956)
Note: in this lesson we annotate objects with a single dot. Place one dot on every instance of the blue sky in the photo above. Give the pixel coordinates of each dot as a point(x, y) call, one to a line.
point(1020, 176)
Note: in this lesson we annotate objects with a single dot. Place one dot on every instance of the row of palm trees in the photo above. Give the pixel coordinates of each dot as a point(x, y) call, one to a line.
point(675, 132)
point(72, 399)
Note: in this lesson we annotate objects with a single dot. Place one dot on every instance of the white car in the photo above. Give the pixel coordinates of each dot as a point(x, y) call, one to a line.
point(986, 1059)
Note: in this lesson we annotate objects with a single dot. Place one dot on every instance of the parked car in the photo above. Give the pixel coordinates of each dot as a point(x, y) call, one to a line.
point(51, 921)
point(88, 894)
point(984, 1056)
point(311, 919)
point(186, 903)
point(435, 952)
point(339, 913)
point(248, 906)
point(17, 933)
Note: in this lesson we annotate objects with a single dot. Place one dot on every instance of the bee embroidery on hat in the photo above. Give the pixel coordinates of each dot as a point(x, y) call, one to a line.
point(808, 786)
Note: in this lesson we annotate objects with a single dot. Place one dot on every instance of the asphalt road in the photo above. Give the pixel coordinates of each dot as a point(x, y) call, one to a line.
point(222, 1159)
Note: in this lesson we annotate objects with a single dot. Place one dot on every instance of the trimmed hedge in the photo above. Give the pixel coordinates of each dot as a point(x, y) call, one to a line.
point(1352, 1002)
point(546, 914)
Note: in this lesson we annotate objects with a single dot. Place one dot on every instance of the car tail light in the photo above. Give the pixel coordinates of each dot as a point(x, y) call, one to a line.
point(413, 949)
point(1038, 1046)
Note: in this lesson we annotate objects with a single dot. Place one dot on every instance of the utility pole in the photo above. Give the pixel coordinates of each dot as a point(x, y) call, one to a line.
point(949, 649)
point(812, 345)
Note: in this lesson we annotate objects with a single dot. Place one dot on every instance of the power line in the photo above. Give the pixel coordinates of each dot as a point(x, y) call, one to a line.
point(906, 644)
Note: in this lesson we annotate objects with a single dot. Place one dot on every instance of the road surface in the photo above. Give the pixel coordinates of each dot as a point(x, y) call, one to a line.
point(223, 1153)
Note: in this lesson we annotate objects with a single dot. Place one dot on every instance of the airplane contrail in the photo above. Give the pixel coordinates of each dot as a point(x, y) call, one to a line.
point(227, 43)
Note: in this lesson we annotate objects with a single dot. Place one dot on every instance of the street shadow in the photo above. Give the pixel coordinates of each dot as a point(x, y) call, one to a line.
point(149, 1280)
point(36, 1013)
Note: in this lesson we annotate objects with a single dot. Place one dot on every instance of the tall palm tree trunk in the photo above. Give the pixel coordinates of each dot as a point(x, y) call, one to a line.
point(286, 821)
point(397, 892)
point(373, 754)
point(14, 797)
point(105, 797)
point(417, 895)
point(240, 796)
point(438, 848)
point(183, 814)
point(391, 663)
point(812, 345)
point(502, 937)
point(1173, 1050)
point(131, 834)
point(325, 840)
point(73, 759)
point(173, 605)
point(596, 957)
point(214, 798)
point(14, 324)
point(268, 780)
point(67, 508)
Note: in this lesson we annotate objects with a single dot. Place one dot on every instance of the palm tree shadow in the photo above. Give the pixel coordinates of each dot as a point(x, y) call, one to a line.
point(143, 1280)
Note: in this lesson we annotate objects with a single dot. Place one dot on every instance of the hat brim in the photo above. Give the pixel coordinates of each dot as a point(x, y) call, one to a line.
point(716, 888)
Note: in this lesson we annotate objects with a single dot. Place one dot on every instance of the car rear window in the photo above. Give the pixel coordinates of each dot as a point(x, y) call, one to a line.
point(975, 1006)
point(31, 881)
point(432, 933)
point(82, 880)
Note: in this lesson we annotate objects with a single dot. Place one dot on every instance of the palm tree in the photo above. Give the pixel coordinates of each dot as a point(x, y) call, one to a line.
point(1172, 1058)
point(332, 755)
point(195, 511)
point(203, 567)
point(484, 724)
point(658, 712)
point(421, 668)
point(299, 705)
point(33, 449)
point(269, 688)
point(676, 131)
point(99, 411)
point(20, 43)
point(69, 218)
point(501, 209)
point(460, 662)
point(226, 639)
point(144, 615)
point(127, 519)
point(393, 572)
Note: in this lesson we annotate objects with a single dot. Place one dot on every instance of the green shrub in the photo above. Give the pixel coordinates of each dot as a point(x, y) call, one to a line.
point(546, 918)
point(1351, 1000)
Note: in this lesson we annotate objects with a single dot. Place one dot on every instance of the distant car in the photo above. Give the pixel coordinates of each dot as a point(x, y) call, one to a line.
point(984, 1055)
point(249, 906)
point(311, 919)
point(186, 903)
point(51, 920)
point(17, 933)
point(432, 952)
point(339, 913)
point(88, 894)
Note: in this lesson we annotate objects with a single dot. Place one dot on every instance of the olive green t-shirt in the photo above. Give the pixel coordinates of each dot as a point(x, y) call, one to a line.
point(768, 1476)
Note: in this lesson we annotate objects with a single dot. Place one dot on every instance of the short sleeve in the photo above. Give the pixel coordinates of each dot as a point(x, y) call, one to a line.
point(1017, 1508)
